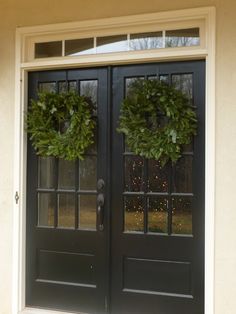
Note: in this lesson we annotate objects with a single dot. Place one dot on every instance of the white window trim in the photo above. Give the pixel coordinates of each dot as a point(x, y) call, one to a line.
point(205, 51)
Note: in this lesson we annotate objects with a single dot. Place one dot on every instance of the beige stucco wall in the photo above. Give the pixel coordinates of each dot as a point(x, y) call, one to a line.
point(15, 13)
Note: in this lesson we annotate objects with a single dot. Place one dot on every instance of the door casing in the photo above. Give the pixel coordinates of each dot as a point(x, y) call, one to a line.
point(18, 291)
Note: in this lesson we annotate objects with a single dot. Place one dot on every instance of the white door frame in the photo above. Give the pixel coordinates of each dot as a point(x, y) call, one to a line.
point(23, 37)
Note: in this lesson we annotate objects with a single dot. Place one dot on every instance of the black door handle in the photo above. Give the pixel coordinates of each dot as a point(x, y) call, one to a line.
point(100, 211)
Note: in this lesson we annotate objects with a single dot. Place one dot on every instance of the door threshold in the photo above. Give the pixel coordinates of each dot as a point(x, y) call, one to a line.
point(30, 310)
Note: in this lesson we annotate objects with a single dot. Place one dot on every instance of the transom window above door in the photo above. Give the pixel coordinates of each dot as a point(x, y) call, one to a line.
point(121, 39)
point(119, 43)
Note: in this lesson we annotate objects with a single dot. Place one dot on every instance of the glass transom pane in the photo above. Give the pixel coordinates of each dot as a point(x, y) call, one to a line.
point(112, 44)
point(183, 37)
point(143, 41)
point(77, 47)
point(48, 49)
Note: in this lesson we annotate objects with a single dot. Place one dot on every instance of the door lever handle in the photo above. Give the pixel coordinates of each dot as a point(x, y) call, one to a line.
point(100, 211)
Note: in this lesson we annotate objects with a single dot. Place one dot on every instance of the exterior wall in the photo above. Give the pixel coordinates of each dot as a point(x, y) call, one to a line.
point(15, 13)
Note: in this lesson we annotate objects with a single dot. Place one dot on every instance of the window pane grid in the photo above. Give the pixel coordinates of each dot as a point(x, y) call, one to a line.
point(157, 186)
point(160, 39)
point(59, 188)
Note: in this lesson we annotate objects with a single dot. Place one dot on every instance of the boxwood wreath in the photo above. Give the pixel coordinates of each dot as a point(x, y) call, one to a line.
point(61, 125)
point(157, 120)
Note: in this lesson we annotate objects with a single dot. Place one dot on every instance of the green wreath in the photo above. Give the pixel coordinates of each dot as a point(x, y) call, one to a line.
point(61, 125)
point(157, 120)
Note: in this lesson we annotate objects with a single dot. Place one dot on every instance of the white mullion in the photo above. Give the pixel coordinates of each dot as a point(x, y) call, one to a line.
point(95, 44)
point(128, 40)
point(63, 48)
point(164, 39)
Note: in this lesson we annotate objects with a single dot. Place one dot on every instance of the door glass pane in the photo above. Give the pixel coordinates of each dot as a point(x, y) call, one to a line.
point(184, 82)
point(89, 89)
point(143, 41)
point(77, 47)
point(182, 215)
point(66, 210)
point(134, 173)
point(49, 87)
point(46, 171)
point(152, 77)
point(157, 215)
point(128, 82)
point(62, 86)
point(87, 212)
point(183, 37)
point(46, 205)
point(66, 174)
point(88, 173)
point(157, 176)
point(182, 175)
point(72, 86)
point(112, 43)
point(134, 213)
point(164, 78)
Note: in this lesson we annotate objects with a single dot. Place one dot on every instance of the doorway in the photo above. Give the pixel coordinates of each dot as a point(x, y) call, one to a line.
point(143, 252)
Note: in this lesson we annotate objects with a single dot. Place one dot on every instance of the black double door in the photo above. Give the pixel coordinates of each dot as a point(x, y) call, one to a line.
point(148, 256)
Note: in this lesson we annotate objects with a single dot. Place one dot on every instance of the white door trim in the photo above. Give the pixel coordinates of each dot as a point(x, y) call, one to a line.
point(20, 144)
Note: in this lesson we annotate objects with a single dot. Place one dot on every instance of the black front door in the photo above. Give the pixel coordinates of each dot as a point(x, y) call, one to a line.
point(149, 257)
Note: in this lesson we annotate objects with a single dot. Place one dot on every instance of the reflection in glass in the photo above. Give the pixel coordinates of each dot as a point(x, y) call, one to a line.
point(88, 173)
point(62, 86)
point(157, 215)
point(183, 37)
point(184, 82)
point(164, 78)
point(46, 207)
point(134, 213)
point(152, 77)
point(72, 86)
point(48, 49)
point(143, 41)
point(87, 212)
point(92, 149)
point(157, 176)
point(128, 82)
point(89, 89)
point(134, 173)
point(126, 147)
point(66, 174)
point(77, 47)
point(66, 210)
point(112, 44)
point(49, 87)
point(46, 170)
point(182, 175)
point(181, 215)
